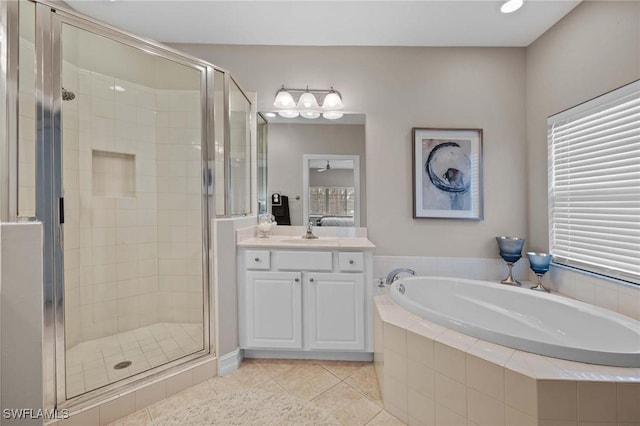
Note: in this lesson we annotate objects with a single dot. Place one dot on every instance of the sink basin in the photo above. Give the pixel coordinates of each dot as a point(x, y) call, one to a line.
point(304, 241)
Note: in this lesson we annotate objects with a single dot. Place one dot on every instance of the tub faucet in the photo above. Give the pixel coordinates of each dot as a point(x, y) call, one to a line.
point(394, 275)
point(309, 234)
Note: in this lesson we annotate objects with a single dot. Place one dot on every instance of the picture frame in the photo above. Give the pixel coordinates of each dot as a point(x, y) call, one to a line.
point(447, 173)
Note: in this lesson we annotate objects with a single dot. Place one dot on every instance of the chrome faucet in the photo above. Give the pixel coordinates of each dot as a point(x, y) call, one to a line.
point(394, 275)
point(309, 234)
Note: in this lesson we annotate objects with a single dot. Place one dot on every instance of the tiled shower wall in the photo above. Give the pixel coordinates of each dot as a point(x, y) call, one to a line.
point(179, 171)
point(132, 258)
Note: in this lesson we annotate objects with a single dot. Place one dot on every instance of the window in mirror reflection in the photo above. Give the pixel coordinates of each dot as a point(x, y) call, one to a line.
point(333, 201)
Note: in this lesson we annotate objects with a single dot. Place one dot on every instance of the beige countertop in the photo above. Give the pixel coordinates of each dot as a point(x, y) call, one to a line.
point(296, 242)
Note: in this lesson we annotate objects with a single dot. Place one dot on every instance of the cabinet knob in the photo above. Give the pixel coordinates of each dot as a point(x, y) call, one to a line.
point(257, 259)
point(310, 280)
point(351, 262)
point(297, 280)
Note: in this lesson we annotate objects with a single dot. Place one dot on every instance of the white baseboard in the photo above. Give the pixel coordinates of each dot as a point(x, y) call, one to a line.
point(321, 355)
point(228, 363)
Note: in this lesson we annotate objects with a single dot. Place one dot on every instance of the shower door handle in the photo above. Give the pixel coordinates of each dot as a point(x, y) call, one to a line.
point(61, 209)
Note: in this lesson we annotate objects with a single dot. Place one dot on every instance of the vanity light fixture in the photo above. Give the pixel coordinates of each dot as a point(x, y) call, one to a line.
point(511, 6)
point(304, 102)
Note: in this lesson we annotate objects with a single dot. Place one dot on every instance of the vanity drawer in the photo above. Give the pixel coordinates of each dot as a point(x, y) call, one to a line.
point(303, 260)
point(257, 259)
point(351, 261)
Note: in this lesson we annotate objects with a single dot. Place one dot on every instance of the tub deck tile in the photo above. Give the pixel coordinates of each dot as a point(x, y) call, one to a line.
point(456, 340)
point(427, 329)
point(394, 314)
point(491, 352)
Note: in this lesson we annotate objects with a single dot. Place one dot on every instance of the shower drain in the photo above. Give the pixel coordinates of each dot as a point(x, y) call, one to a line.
point(121, 365)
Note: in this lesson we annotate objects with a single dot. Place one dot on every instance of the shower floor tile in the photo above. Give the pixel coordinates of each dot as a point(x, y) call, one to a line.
point(90, 364)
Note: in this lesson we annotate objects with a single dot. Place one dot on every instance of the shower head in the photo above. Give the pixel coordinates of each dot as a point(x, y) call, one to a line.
point(67, 95)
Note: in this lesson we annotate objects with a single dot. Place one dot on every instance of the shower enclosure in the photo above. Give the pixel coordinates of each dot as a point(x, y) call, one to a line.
point(118, 143)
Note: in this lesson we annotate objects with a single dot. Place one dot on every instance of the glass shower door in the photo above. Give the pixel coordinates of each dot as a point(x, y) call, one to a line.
point(134, 217)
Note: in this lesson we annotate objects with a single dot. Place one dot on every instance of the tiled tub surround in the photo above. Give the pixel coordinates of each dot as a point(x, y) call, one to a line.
point(593, 289)
point(430, 375)
point(588, 288)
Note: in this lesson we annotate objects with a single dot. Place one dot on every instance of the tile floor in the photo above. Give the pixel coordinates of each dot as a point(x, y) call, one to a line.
point(90, 364)
point(346, 390)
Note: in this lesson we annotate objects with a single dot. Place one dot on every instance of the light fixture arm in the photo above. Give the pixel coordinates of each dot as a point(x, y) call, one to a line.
point(326, 91)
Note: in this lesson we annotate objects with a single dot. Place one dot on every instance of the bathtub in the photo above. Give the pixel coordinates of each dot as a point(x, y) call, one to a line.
point(534, 322)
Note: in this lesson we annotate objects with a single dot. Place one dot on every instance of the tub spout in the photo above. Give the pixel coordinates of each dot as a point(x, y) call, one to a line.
point(394, 275)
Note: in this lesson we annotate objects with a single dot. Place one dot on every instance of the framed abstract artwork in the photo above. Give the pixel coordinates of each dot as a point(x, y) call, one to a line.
point(447, 173)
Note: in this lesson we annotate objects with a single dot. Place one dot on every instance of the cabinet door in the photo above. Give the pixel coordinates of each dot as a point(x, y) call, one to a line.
point(334, 311)
point(273, 310)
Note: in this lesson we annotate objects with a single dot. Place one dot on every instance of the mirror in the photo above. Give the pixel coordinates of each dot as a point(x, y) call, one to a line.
point(291, 177)
point(331, 184)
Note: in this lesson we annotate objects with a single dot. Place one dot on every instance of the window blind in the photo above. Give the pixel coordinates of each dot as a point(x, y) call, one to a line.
point(594, 184)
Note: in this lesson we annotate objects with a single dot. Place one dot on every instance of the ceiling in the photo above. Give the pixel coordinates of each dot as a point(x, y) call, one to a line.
point(331, 22)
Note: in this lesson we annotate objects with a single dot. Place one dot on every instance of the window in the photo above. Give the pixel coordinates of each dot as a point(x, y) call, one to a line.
point(594, 184)
point(333, 201)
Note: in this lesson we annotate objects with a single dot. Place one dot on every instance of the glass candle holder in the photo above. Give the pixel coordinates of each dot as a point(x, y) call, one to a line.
point(265, 223)
point(511, 252)
point(539, 265)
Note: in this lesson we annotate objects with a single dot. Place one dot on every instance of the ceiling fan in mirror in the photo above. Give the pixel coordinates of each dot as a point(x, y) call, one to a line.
point(325, 168)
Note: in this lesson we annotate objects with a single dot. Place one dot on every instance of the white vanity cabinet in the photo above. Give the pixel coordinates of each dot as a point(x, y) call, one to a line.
point(274, 319)
point(305, 300)
point(334, 311)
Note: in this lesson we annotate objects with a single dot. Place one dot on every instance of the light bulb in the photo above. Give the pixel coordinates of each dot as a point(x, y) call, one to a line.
point(332, 115)
point(511, 6)
point(310, 114)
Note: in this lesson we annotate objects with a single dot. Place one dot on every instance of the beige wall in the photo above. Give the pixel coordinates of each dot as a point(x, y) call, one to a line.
point(289, 142)
point(400, 88)
point(594, 49)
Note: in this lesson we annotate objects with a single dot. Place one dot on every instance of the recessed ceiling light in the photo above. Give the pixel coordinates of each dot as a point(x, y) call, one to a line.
point(117, 88)
point(511, 6)
point(270, 114)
